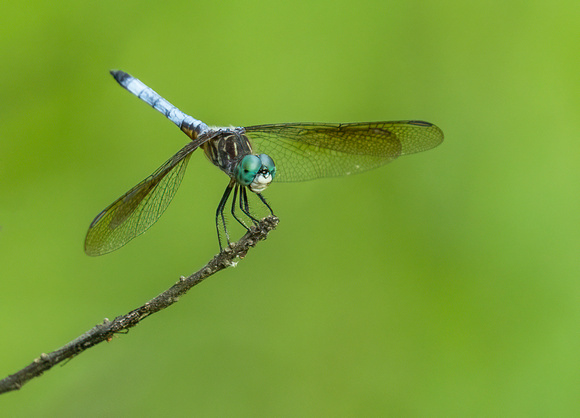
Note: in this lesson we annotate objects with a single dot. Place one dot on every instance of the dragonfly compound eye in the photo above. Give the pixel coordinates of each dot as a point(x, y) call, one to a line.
point(268, 163)
point(247, 169)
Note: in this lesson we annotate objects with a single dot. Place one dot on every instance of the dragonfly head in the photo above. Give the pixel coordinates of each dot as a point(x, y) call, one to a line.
point(256, 172)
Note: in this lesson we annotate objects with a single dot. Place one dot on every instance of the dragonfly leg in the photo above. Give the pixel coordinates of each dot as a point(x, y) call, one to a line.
point(220, 213)
point(263, 199)
point(235, 198)
point(245, 205)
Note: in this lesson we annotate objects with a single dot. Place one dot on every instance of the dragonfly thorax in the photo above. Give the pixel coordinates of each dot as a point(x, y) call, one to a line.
point(231, 151)
point(256, 172)
point(226, 147)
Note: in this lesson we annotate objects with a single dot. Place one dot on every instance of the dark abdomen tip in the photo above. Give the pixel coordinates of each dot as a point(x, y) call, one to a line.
point(120, 76)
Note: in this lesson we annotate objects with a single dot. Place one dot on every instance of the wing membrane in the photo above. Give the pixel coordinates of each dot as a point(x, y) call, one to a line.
point(139, 208)
point(305, 151)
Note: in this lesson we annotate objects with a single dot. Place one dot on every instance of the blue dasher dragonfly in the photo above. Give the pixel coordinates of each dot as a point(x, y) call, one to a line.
point(252, 157)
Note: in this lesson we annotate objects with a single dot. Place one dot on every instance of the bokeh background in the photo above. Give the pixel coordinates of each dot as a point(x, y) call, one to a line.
point(444, 284)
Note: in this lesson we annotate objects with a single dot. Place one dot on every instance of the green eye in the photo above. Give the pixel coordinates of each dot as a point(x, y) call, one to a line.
point(247, 169)
point(268, 163)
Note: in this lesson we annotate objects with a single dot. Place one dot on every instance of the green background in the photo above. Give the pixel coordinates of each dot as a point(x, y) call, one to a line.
point(445, 284)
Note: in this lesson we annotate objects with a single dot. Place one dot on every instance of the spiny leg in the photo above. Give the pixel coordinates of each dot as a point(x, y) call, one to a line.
point(245, 205)
point(234, 206)
point(263, 199)
point(220, 213)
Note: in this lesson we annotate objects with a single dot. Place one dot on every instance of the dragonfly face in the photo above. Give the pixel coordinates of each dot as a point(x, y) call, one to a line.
point(256, 172)
point(302, 151)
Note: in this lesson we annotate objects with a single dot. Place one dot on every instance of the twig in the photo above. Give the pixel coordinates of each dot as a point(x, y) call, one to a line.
point(106, 330)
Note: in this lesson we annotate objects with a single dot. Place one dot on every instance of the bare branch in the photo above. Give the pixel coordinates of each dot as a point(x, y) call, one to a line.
point(106, 330)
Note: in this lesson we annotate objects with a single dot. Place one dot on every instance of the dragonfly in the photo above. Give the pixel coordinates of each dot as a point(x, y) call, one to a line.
point(252, 157)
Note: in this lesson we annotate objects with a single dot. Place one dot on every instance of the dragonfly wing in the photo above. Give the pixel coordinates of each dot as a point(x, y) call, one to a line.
point(139, 208)
point(305, 151)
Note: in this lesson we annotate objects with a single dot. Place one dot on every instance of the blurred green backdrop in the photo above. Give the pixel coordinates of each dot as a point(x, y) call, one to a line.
point(445, 284)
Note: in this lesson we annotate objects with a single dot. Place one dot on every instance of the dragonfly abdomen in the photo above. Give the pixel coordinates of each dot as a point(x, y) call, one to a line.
point(188, 124)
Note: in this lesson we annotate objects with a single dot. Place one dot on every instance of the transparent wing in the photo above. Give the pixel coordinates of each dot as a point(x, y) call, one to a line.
point(305, 151)
point(139, 208)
